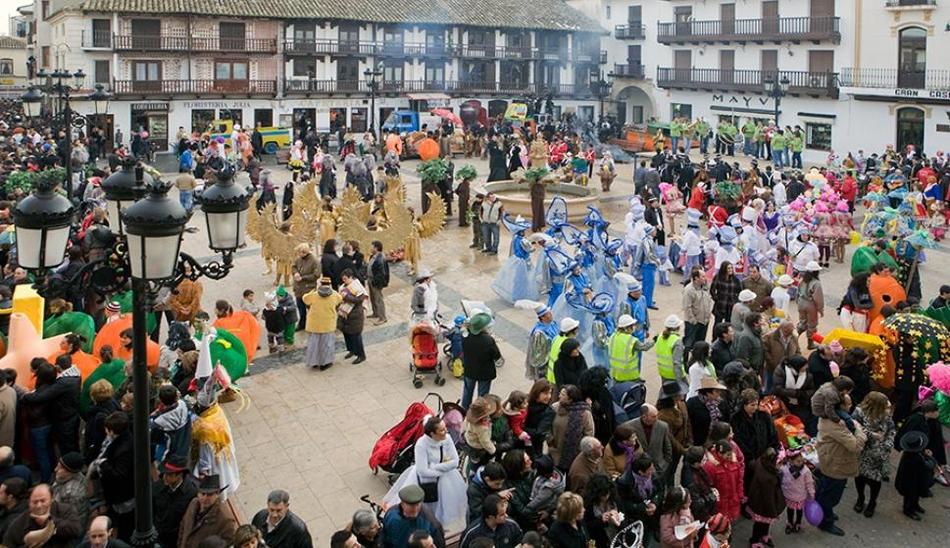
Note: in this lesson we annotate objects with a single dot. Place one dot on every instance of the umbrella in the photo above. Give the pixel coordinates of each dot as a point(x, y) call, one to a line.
point(428, 149)
point(447, 115)
point(917, 325)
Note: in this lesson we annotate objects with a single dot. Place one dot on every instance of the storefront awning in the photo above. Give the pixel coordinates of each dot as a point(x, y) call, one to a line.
point(428, 97)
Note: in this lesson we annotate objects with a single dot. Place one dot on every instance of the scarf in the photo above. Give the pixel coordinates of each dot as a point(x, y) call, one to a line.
point(713, 407)
point(795, 471)
point(644, 485)
point(575, 430)
point(793, 379)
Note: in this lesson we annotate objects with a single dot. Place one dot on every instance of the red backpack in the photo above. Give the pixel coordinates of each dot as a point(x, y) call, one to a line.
point(404, 435)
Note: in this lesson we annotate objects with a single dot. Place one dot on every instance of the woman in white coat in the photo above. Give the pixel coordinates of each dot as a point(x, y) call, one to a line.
point(436, 461)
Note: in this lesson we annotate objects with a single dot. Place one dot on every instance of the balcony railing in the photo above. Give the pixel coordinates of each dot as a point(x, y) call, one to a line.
point(630, 31)
point(818, 84)
point(920, 4)
point(293, 46)
point(629, 70)
point(96, 39)
point(792, 29)
point(895, 78)
point(195, 87)
point(330, 87)
point(137, 42)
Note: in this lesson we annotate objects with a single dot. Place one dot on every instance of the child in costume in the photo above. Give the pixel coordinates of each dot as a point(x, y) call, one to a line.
point(672, 199)
point(824, 234)
point(512, 281)
point(798, 486)
point(842, 225)
point(603, 326)
point(274, 323)
point(665, 265)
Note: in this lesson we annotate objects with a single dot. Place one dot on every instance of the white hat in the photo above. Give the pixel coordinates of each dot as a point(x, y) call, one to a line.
point(625, 320)
point(672, 322)
point(812, 266)
point(635, 285)
point(785, 280)
point(749, 214)
point(568, 325)
point(692, 217)
point(423, 273)
point(746, 296)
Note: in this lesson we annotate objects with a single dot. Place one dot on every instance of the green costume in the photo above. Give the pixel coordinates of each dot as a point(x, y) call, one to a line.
point(113, 372)
point(79, 323)
point(229, 351)
point(865, 257)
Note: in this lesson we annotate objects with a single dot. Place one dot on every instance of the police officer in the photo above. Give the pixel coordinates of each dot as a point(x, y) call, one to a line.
point(625, 349)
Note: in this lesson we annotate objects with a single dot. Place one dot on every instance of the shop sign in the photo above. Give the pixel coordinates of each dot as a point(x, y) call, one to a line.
point(745, 100)
point(216, 104)
point(922, 93)
point(149, 106)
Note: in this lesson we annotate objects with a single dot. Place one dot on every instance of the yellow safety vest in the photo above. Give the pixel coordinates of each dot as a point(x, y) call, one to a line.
point(664, 357)
point(556, 343)
point(624, 362)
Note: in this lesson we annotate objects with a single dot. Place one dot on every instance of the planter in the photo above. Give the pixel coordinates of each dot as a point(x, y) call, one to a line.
point(516, 197)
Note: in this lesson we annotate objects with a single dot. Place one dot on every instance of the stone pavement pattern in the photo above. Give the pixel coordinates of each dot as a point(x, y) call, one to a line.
point(311, 432)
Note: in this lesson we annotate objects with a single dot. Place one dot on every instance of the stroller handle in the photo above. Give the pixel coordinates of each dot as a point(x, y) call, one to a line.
point(438, 398)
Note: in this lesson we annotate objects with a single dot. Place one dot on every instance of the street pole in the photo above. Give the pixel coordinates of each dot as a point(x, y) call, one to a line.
point(145, 534)
point(777, 99)
point(372, 108)
point(68, 124)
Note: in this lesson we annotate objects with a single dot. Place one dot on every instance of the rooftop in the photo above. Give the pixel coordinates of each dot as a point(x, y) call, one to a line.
point(537, 14)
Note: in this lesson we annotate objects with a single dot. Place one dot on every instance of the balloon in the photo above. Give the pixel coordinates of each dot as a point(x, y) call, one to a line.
point(814, 513)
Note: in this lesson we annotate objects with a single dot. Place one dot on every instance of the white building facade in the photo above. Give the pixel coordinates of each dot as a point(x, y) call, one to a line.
point(304, 64)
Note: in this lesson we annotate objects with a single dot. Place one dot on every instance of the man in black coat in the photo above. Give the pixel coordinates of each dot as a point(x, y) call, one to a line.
point(62, 398)
point(115, 473)
point(479, 355)
point(722, 351)
point(280, 527)
point(171, 496)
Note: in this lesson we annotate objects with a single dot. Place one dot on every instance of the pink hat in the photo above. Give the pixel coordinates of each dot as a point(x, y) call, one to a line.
point(842, 207)
point(836, 347)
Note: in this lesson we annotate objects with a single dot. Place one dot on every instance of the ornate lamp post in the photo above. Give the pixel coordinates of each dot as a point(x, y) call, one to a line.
point(373, 76)
point(148, 249)
point(776, 89)
point(58, 85)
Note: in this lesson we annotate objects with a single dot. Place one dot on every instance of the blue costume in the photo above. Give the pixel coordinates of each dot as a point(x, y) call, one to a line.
point(548, 273)
point(577, 282)
point(602, 327)
point(513, 282)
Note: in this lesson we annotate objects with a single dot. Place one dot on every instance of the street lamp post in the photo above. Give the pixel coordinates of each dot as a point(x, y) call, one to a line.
point(372, 80)
point(57, 85)
point(776, 89)
point(149, 252)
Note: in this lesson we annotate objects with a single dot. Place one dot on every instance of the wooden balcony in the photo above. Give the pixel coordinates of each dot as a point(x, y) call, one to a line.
point(878, 78)
point(812, 84)
point(452, 87)
point(125, 42)
point(96, 40)
point(634, 71)
point(778, 29)
point(631, 31)
point(363, 48)
point(195, 87)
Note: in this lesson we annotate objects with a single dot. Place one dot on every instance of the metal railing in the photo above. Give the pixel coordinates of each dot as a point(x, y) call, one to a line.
point(909, 3)
point(895, 78)
point(193, 87)
point(629, 70)
point(820, 84)
point(128, 42)
point(327, 87)
point(96, 39)
point(739, 30)
point(296, 46)
point(631, 31)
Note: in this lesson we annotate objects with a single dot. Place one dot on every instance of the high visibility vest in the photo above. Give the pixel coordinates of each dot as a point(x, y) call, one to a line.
point(552, 356)
point(624, 361)
point(664, 357)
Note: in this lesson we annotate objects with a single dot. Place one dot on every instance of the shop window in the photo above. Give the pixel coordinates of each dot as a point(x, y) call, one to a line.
point(818, 136)
point(6, 66)
point(201, 119)
point(358, 119)
point(681, 110)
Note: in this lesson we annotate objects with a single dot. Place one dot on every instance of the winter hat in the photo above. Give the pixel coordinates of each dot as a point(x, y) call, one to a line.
point(914, 441)
point(281, 291)
point(72, 462)
point(114, 307)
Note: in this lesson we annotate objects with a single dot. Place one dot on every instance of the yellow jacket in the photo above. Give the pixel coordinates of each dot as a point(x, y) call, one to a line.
point(321, 311)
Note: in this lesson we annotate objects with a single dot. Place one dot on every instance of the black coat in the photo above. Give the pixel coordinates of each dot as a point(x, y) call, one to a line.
point(562, 535)
point(479, 354)
point(915, 474)
point(291, 532)
point(61, 397)
point(538, 424)
point(568, 370)
point(753, 434)
point(700, 487)
point(115, 471)
point(930, 428)
point(169, 508)
point(699, 419)
point(327, 264)
point(95, 428)
point(720, 354)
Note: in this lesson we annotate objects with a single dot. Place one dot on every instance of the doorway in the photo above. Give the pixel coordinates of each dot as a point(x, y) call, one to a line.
point(913, 58)
point(263, 117)
point(106, 123)
point(304, 120)
point(770, 17)
point(727, 18)
point(155, 123)
point(727, 66)
point(910, 128)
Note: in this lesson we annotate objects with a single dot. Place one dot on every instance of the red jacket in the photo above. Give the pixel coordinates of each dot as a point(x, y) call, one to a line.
point(516, 422)
point(697, 199)
point(717, 215)
point(726, 477)
point(849, 189)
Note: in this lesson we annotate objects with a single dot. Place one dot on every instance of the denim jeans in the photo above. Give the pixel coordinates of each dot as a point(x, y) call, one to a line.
point(703, 145)
point(748, 146)
point(468, 390)
point(778, 157)
point(797, 160)
point(674, 142)
point(828, 493)
point(490, 236)
point(301, 314)
point(186, 197)
point(41, 439)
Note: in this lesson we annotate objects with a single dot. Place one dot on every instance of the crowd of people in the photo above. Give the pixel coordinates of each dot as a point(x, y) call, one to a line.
point(754, 422)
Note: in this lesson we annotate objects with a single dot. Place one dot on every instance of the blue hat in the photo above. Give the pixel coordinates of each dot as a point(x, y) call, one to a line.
point(594, 217)
point(727, 235)
point(692, 217)
point(557, 211)
point(634, 286)
point(601, 303)
point(571, 233)
point(515, 225)
point(613, 246)
point(542, 309)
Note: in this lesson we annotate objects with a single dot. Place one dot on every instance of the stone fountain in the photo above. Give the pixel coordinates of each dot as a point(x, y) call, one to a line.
point(515, 194)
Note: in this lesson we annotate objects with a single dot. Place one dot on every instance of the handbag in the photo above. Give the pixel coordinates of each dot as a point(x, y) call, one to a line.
point(430, 490)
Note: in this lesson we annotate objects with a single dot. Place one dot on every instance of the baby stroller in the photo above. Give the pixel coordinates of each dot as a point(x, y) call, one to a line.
point(393, 452)
point(425, 353)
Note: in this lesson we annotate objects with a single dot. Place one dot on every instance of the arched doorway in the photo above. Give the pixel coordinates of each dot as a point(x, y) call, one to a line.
point(634, 106)
point(912, 60)
point(910, 128)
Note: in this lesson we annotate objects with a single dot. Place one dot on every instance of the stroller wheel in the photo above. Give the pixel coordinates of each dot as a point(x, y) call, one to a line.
point(440, 381)
point(417, 382)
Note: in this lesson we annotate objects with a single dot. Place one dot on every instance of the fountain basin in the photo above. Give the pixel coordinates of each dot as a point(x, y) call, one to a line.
point(516, 197)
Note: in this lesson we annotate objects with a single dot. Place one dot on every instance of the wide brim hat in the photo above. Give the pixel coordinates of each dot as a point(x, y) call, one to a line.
point(709, 383)
point(479, 322)
point(671, 389)
point(914, 441)
point(813, 266)
point(746, 296)
point(423, 273)
point(175, 464)
point(634, 286)
point(211, 484)
point(515, 224)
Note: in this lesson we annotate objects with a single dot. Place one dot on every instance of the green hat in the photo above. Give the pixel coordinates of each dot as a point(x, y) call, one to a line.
point(411, 494)
point(479, 322)
point(281, 292)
